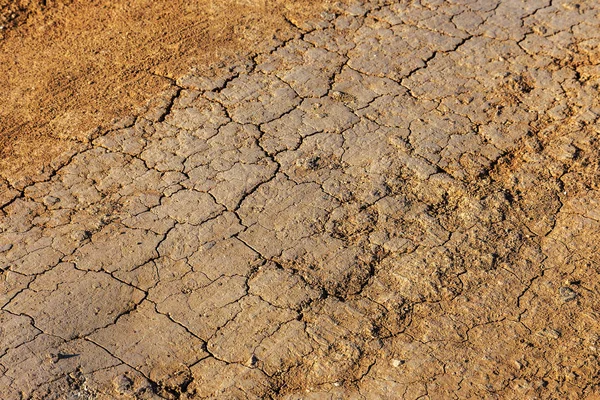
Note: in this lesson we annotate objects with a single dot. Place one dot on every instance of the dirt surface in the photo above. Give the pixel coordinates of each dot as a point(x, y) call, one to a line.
point(69, 67)
point(397, 201)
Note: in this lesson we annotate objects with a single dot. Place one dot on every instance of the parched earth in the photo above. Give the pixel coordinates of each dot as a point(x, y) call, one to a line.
point(398, 201)
point(69, 67)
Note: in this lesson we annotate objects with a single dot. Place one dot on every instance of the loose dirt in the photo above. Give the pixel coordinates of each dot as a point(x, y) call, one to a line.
point(70, 67)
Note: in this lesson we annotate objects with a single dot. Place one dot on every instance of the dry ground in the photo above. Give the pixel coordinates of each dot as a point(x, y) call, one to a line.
point(69, 67)
point(386, 200)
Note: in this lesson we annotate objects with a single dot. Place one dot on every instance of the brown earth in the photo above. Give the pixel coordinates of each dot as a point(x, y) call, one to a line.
point(399, 200)
point(71, 66)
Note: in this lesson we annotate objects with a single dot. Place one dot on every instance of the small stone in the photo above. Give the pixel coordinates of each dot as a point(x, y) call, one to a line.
point(5, 247)
point(53, 357)
point(341, 96)
point(81, 235)
point(397, 363)
point(572, 281)
point(327, 16)
point(542, 383)
point(51, 200)
point(567, 294)
point(570, 376)
point(518, 365)
point(550, 333)
point(123, 384)
point(252, 361)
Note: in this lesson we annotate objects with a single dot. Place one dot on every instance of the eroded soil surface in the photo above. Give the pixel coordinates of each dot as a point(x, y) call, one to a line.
point(398, 201)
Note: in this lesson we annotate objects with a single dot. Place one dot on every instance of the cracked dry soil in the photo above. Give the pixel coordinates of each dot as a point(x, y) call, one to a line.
point(399, 201)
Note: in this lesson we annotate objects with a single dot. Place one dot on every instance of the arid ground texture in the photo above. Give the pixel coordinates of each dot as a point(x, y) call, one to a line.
point(300, 200)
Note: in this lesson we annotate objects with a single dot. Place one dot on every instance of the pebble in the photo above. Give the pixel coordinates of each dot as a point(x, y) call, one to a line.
point(123, 384)
point(81, 235)
point(5, 247)
point(397, 363)
point(252, 361)
point(53, 357)
point(51, 200)
point(550, 333)
point(567, 294)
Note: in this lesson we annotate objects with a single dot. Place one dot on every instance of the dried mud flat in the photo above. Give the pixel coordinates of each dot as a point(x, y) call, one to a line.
point(398, 201)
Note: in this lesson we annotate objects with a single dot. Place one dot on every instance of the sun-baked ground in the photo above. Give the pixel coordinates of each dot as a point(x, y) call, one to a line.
point(392, 201)
point(69, 67)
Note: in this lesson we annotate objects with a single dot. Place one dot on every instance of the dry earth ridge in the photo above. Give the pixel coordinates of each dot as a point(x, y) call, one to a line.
point(399, 202)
